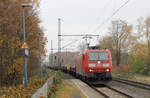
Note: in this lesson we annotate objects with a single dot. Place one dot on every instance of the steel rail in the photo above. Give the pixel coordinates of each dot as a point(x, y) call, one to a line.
point(100, 92)
point(118, 91)
point(113, 89)
point(133, 83)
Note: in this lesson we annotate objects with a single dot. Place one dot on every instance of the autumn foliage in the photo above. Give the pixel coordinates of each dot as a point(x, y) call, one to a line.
point(20, 91)
point(11, 41)
point(130, 47)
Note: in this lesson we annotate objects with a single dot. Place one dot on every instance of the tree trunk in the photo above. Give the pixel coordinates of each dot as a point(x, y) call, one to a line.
point(118, 57)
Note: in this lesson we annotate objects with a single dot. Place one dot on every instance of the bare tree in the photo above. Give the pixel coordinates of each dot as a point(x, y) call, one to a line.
point(120, 32)
point(144, 33)
point(147, 27)
point(106, 42)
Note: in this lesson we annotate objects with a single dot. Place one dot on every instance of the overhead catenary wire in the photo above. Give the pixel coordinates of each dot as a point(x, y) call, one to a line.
point(98, 18)
point(114, 13)
point(70, 43)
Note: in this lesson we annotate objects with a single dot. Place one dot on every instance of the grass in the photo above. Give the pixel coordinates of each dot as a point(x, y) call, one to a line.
point(141, 78)
point(66, 90)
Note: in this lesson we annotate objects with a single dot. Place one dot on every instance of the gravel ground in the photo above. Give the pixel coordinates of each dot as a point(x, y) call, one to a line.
point(131, 90)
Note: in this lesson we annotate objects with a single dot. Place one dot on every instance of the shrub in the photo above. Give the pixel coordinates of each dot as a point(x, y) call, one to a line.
point(57, 79)
point(139, 66)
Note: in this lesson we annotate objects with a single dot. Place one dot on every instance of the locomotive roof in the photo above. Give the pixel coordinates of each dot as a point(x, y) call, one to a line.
point(97, 50)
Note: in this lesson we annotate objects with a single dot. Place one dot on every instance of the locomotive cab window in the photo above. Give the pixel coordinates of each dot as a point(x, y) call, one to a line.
point(98, 56)
point(103, 56)
point(92, 56)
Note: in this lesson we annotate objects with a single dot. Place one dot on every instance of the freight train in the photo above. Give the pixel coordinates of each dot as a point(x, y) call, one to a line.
point(92, 64)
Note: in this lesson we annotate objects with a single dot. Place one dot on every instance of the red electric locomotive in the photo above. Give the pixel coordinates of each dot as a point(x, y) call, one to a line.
point(94, 64)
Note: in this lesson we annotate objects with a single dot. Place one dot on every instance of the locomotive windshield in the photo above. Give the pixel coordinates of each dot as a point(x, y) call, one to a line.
point(98, 56)
point(103, 56)
point(92, 56)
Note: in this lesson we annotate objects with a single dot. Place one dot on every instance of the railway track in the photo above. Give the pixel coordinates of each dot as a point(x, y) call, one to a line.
point(109, 92)
point(102, 93)
point(133, 83)
point(121, 88)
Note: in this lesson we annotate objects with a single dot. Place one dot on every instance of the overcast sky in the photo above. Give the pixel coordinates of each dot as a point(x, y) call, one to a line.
point(85, 16)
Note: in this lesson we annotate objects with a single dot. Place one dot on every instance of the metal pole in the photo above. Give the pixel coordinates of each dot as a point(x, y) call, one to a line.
point(66, 51)
point(86, 41)
point(59, 42)
point(25, 65)
point(41, 73)
point(51, 52)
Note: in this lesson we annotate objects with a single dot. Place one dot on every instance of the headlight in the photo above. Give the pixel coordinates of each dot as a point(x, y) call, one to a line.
point(106, 65)
point(90, 70)
point(92, 65)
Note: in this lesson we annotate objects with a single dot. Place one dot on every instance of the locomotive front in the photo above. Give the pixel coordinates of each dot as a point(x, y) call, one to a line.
point(98, 64)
